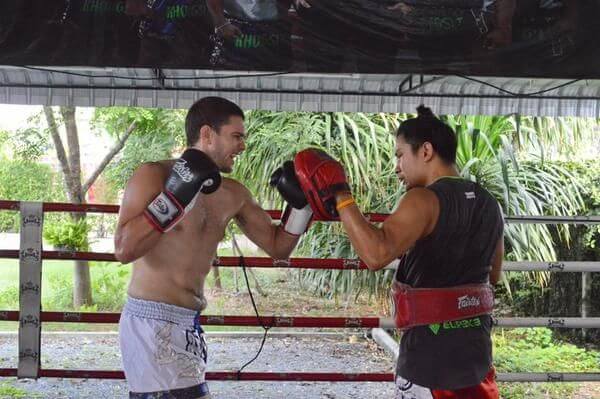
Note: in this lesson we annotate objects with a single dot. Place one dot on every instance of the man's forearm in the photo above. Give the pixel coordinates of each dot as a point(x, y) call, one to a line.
point(284, 243)
point(366, 238)
point(134, 239)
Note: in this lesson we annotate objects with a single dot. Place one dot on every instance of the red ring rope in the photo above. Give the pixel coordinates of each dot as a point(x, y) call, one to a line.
point(220, 375)
point(210, 320)
point(104, 208)
point(224, 261)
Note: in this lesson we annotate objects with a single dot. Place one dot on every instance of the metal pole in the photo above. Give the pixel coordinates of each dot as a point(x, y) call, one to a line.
point(586, 303)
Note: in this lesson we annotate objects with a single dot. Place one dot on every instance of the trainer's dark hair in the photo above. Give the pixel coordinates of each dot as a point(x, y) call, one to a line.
point(211, 111)
point(427, 128)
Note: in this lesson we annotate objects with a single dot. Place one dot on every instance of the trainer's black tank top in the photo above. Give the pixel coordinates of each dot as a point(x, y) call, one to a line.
point(459, 251)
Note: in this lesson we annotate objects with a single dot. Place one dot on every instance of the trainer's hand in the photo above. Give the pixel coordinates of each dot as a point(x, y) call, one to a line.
point(193, 173)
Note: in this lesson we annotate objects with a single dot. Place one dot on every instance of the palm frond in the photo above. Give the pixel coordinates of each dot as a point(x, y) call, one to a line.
point(502, 153)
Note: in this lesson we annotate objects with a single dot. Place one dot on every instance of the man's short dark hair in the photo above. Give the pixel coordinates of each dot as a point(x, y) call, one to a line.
point(427, 128)
point(211, 111)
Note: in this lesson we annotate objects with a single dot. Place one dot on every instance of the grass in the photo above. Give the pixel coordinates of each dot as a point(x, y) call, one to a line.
point(7, 390)
point(109, 283)
point(284, 295)
point(52, 271)
point(57, 290)
point(535, 350)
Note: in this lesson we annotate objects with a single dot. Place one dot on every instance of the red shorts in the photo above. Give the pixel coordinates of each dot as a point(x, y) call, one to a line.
point(486, 389)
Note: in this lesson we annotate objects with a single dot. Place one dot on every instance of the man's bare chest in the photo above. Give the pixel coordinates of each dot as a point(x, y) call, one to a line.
point(210, 214)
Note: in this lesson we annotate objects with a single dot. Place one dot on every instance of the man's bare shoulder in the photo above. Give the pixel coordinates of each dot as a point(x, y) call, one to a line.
point(235, 187)
point(419, 195)
point(150, 171)
point(238, 193)
point(419, 199)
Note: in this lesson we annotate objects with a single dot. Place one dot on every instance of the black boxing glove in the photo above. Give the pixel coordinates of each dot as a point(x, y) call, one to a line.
point(193, 173)
point(297, 214)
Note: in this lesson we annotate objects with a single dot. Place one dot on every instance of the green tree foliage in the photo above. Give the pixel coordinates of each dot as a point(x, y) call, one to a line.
point(22, 177)
point(562, 296)
point(30, 143)
point(22, 180)
point(4, 144)
point(521, 181)
point(588, 172)
point(62, 130)
point(535, 350)
point(565, 138)
point(158, 133)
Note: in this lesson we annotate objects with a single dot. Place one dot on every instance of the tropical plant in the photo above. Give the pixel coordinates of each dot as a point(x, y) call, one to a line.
point(486, 153)
point(522, 183)
point(362, 142)
point(565, 138)
point(68, 235)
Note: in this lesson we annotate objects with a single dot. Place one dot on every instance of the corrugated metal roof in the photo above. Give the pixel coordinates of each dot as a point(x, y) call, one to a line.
point(298, 91)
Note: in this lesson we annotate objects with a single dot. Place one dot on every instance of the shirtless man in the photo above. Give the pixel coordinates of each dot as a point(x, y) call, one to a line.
point(447, 233)
point(172, 217)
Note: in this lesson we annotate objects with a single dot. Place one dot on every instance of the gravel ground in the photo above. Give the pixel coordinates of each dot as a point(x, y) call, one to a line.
point(280, 353)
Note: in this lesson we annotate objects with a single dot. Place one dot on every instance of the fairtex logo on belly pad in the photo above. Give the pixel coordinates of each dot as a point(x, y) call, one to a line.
point(467, 301)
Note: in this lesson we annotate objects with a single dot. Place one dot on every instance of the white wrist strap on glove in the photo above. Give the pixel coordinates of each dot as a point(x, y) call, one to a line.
point(295, 221)
point(163, 212)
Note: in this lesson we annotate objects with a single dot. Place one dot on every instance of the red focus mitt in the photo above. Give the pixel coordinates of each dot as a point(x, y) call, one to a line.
point(320, 177)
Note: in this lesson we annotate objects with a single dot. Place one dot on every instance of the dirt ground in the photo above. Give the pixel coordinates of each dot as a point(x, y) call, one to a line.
point(339, 353)
point(348, 351)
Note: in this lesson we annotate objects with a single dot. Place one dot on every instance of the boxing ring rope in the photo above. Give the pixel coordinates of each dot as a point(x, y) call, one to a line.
point(35, 319)
point(312, 377)
point(311, 263)
point(300, 322)
point(373, 217)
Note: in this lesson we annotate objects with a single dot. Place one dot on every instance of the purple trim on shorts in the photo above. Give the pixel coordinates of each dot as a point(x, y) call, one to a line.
point(194, 392)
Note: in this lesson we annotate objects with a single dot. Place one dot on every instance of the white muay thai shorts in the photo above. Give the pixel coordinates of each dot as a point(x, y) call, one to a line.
point(163, 350)
point(407, 390)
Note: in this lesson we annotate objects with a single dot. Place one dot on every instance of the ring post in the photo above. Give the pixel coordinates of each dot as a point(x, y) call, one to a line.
point(30, 289)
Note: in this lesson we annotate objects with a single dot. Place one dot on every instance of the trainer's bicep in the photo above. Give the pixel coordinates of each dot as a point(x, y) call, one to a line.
point(410, 222)
point(497, 258)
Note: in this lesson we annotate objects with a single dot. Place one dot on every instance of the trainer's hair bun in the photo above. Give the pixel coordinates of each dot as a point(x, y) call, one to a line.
point(425, 112)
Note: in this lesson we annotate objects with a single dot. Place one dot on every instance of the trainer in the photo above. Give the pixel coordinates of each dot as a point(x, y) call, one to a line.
point(448, 235)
